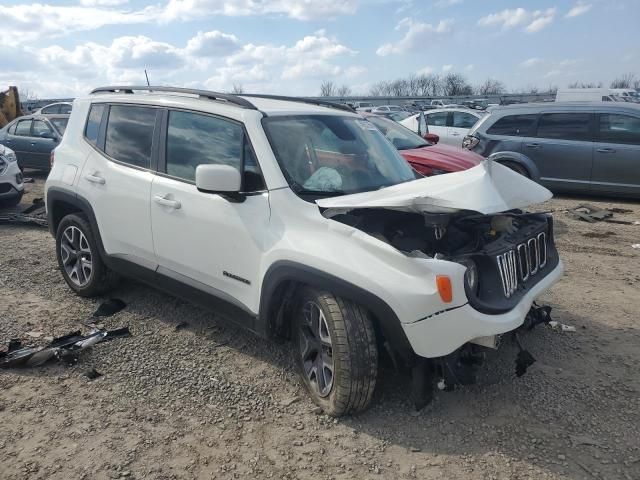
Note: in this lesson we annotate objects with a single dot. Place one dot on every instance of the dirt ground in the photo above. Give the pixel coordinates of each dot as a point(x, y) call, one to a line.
point(212, 401)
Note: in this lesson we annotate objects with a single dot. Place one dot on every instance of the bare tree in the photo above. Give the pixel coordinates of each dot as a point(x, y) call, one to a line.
point(456, 84)
point(343, 91)
point(491, 87)
point(237, 89)
point(628, 80)
point(585, 85)
point(428, 85)
point(328, 89)
point(381, 89)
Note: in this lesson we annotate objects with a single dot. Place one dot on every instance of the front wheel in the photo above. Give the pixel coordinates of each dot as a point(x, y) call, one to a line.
point(337, 353)
point(516, 167)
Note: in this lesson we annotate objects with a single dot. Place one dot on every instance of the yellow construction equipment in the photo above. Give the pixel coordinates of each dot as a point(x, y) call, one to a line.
point(9, 106)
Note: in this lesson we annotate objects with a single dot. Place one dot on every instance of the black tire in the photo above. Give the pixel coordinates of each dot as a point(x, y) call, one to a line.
point(101, 279)
point(516, 167)
point(12, 202)
point(353, 352)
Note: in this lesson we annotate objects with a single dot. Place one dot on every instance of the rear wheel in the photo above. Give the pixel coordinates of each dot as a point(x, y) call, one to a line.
point(79, 260)
point(337, 353)
point(516, 167)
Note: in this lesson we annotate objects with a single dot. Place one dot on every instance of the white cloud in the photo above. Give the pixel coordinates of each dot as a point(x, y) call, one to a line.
point(531, 21)
point(417, 36)
point(552, 73)
point(299, 9)
point(425, 71)
point(531, 62)
point(212, 44)
point(213, 59)
point(578, 9)
point(447, 68)
point(540, 21)
point(25, 23)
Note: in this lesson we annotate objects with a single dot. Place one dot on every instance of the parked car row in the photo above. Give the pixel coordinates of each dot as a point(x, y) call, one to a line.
point(450, 124)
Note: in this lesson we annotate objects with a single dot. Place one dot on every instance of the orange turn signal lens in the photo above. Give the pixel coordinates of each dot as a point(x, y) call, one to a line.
point(444, 288)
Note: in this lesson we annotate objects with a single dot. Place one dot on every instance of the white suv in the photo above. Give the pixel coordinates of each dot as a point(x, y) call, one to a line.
point(11, 184)
point(297, 219)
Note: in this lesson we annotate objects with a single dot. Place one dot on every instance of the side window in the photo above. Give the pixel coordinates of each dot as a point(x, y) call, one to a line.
point(130, 134)
point(513, 125)
point(619, 129)
point(564, 126)
point(437, 119)
point(12, 129)
point(65, 109)
point(24, 128)
point(194, 139)
point(50, 110)
point(39, 127)
point(92, 129)
point(606, 98)
point(463, 120)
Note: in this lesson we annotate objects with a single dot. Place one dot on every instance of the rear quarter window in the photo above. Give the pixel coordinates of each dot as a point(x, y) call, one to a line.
point(92, 129)
point(513, 125)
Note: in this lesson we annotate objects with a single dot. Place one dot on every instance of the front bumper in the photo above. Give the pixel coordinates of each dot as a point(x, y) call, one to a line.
point(445, 332)
point(11, 182)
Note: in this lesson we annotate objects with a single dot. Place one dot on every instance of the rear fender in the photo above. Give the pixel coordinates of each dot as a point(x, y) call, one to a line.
point(519, 159)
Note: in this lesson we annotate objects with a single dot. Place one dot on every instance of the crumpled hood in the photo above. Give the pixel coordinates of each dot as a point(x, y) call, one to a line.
point(487, 188)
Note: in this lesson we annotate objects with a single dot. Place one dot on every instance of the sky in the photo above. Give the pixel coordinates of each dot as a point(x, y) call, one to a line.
point(63, 48)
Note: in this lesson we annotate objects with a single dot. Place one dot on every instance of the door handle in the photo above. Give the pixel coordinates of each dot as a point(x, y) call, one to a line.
point(33, 144)
point(95, 179)
point(606, 150)
point(533, 145)
point(166, 202)
point(455, 134)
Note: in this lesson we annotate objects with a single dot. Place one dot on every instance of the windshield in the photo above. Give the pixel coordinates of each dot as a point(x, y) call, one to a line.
point(321, 154)
point(401, 137)
point(60, 124)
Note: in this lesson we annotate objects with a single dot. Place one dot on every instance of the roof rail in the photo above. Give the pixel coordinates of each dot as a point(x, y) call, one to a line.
point(233, 99)
point(311, 101)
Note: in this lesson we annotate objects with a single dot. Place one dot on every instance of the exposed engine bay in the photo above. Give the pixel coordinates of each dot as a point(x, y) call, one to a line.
point(439, 234)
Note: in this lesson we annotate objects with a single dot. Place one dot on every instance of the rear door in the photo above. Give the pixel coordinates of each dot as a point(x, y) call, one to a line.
point(562, 149)
point(116, 178)
point(461, 123)
point(616, 156)
point(437, 123)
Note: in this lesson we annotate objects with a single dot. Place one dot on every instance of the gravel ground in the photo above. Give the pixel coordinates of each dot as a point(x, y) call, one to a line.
point(212, 401)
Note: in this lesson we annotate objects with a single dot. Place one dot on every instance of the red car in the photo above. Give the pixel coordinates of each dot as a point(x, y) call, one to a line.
point(423, 155)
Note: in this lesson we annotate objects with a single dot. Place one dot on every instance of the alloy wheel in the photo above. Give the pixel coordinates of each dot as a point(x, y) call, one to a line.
point(76, 256)
point(316, 349)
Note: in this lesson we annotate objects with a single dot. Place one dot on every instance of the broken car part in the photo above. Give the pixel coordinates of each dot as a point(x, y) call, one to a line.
point(62, 348)
point(35, 214)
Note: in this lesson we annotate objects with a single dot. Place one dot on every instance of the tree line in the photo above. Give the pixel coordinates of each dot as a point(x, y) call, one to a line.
point(454, 84)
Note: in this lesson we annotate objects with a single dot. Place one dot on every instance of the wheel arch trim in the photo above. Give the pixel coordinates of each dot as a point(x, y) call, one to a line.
point(520, 159)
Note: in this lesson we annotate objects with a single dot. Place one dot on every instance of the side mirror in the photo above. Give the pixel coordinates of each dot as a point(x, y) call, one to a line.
point(221, 179)
point(431, 137)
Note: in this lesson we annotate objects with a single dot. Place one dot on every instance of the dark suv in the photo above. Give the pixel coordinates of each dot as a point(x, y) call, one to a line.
point(566, 146)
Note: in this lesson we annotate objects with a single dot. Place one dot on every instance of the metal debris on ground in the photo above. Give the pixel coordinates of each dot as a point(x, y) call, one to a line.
point(591, 214)
point(561, 326)
point(65, 348)
point(636, 245)
point(35, 214)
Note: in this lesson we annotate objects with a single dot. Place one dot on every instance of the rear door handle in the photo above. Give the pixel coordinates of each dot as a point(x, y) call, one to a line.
point(606, 150)
point(95, 179)
point(533, 145)
point(166, 202)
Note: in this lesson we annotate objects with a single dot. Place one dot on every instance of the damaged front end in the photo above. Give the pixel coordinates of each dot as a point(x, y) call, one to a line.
point(475, 219)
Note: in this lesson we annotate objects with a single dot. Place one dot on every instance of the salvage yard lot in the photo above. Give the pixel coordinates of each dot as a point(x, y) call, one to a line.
point(212, 401)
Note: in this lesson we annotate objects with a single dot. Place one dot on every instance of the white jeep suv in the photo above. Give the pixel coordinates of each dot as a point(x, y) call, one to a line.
point(297, 219)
